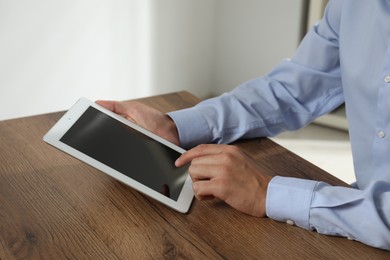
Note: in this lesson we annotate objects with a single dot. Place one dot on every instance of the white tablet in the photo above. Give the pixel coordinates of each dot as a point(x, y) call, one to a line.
point(125, 151)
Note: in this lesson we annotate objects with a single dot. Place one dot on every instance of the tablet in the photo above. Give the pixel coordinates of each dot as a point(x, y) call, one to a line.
point(124, 151)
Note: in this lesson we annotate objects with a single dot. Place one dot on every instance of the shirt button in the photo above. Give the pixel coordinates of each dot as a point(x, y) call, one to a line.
point(381, 134)
point(387, 79)
point(290, 222)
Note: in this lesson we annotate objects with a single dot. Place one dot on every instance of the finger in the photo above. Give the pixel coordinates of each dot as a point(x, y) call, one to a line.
point(108, 104)
point(198, 151)
point(115, 106)
point(208, 159)
point(209, 197)
point(119, 108)
point(204, 189)
point(202, 172)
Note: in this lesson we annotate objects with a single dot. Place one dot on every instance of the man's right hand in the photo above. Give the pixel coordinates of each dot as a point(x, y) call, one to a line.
point(146, 117)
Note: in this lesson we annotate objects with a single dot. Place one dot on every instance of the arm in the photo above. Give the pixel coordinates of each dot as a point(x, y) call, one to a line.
point(362, 215)
point(146, 117)
point(292, 95)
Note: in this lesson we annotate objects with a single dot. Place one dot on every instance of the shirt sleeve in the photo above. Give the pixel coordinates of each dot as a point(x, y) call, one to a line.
point(291, 96)
point(361, 215)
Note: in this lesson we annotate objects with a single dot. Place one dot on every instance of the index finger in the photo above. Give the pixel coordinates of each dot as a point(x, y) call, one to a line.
point(198, 151)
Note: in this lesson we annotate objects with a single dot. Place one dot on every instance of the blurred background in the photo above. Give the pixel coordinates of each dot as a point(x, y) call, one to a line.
point(53, 52)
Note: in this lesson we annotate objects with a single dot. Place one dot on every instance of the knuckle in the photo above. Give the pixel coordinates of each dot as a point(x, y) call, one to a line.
point(224, 170)
point(192, 169)
point(201, 147)
point(233, 148)
point(227, 159)
point(194, 188)
point(223, 189)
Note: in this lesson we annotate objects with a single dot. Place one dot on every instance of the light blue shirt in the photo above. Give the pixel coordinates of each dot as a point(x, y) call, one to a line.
point(344, 58)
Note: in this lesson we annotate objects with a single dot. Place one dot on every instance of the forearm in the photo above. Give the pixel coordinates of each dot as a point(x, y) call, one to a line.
point(361, 215)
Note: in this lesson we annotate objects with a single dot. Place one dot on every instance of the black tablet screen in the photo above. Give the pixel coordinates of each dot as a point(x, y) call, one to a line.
point(128, 151)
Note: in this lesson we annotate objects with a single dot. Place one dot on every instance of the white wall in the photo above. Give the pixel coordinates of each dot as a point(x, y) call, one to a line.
point(52, 51)
point(183, 46)
point(209, 47)
point(253, 36)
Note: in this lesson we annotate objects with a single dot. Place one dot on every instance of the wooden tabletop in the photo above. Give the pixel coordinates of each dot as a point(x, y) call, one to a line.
point(53, 206)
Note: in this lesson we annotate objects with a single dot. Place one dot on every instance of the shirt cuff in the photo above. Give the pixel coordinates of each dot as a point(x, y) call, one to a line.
point(289, 199)
point(191, 126)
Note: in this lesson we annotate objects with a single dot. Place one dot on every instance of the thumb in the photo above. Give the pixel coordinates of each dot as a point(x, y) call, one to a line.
point(108, 104)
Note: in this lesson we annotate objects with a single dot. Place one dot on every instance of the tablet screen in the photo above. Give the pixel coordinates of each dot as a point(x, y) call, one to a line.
point(128, 151)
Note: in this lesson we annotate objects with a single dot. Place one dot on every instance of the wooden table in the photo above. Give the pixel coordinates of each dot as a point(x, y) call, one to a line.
point(53, 206)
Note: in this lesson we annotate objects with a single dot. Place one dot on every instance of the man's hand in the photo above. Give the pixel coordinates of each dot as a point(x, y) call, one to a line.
point(217, 171)
point(225, 172)
point(146, 117)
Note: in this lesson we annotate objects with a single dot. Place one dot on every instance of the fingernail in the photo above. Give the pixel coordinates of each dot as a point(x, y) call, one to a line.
point(177, 161)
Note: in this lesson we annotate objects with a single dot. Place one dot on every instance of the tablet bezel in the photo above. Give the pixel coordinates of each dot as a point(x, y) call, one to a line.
point(54, 135)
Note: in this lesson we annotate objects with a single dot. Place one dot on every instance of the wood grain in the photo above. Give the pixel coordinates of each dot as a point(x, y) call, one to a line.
point(52, 206)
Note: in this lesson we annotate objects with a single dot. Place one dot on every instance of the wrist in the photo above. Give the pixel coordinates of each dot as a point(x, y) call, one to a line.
point(171, 131)
point(262, 197)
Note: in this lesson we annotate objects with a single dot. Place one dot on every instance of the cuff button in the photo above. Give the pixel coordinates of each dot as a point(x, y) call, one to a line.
point(290, 222)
